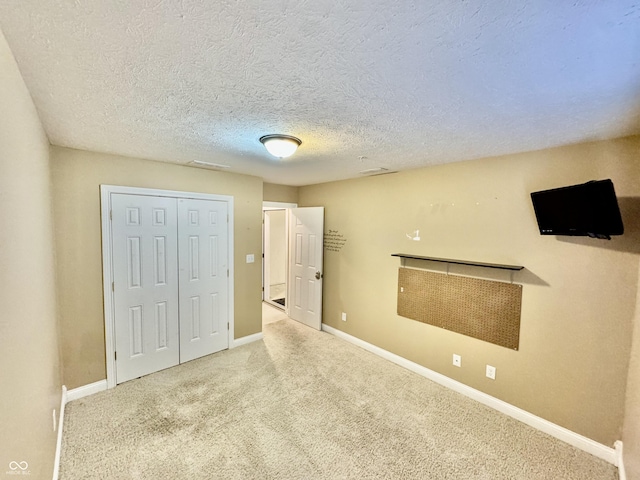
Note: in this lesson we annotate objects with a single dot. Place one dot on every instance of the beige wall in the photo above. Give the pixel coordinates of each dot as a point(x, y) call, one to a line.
point(631, 430)
point(579, 294)
point(29, 355)
point(279, 193)
point(77, 176)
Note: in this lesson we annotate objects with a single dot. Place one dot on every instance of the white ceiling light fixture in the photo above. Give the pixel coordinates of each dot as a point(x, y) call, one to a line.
point(280, 146)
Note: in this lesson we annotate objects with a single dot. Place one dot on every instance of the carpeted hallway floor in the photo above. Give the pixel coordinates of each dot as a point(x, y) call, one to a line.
point(303, 405)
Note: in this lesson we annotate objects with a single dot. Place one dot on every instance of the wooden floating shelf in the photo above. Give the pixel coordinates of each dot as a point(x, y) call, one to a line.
point(460, 262)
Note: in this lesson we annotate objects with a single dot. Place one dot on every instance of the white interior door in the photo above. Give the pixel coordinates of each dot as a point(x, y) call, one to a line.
point(306, 231)
point(204, 281)
point(145, 284)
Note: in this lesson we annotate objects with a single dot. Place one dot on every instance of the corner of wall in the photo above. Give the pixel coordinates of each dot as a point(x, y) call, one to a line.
point(27, 256)
point(272, 192)
point(631, 425)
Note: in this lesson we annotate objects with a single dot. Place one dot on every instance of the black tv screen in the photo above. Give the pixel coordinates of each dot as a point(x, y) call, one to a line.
point(589, 209)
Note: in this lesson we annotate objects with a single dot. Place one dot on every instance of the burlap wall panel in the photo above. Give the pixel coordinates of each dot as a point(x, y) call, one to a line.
point(483, 309)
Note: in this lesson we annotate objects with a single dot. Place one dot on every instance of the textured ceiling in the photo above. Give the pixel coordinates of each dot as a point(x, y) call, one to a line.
point(402, 84)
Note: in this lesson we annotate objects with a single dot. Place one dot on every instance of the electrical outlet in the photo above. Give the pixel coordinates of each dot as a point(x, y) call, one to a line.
point(250, 258)
point(457, 360)
point(491, 372)
point(344, 316)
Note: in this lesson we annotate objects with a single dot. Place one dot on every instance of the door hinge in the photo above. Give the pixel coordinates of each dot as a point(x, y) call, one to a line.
point(227, 273)
point(115, 354)
point(110, 214)
point(228, 326)
point(113, 286)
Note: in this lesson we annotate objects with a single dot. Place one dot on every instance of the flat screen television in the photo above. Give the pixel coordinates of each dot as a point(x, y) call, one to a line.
point(589, 209)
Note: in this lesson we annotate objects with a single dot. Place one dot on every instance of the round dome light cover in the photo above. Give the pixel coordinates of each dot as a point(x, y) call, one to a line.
point(281, 146)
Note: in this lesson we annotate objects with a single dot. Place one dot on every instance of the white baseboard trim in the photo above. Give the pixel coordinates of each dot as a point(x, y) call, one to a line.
point(248, 339)
point(579, 441)
point(56, 462)
point(86, 390)
point(622, 473)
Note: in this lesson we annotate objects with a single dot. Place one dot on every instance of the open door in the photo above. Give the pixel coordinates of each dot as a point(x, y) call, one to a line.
point(306, 231)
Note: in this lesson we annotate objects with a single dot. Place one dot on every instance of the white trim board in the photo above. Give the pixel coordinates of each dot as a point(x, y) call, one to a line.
point(56, 461)
point(86, 390)
point(579, 441)
point(278, 205)
point(245, 340)
point(622, 473)
point(107, 270)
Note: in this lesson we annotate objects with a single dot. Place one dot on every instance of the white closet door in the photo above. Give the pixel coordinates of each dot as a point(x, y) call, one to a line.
point(204, 281)
point(145, 272)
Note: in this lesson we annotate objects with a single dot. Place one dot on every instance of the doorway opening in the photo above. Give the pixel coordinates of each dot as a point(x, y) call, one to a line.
point(275, 254)
point(271, 314)
point(292, 261)
point(275, 258)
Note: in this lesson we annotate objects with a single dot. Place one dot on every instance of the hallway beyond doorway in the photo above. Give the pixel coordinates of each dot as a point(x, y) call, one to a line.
point(271, 314)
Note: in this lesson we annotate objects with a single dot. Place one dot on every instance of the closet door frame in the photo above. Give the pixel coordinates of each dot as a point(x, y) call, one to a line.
point(107, 261)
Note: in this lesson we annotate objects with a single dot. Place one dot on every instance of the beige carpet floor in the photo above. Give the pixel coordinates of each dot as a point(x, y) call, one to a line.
point(303, 405)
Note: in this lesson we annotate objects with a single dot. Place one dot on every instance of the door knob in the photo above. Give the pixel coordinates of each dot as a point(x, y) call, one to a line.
point(318, 275)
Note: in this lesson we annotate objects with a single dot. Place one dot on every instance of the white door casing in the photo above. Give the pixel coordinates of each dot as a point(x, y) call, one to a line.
point(266, 258)
point(306, 231)
point(108, 194)
point(202, 244)
point(145, 272)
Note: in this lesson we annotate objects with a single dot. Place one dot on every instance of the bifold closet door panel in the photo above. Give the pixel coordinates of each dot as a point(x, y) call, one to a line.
point(203, 277)
point(145, 272)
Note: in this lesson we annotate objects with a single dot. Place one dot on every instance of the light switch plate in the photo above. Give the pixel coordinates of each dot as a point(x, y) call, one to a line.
point(250, 258)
